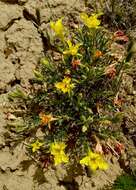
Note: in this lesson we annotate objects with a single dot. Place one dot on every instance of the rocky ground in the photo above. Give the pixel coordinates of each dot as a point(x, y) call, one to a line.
point(21, 47)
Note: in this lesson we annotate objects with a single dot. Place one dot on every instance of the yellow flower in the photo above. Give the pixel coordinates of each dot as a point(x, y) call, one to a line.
point(58, 28)
point(110, 70)
point(94, 161)
point(92, 21)
point(73, 49)
point(65, 86)
point(36, 146)
point(57, 150)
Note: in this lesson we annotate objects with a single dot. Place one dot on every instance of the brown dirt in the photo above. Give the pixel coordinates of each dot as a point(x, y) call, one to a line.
point(20, 50)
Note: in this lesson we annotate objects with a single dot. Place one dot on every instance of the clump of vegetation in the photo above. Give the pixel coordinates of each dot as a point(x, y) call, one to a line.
point(124, 182)
point(74, 97)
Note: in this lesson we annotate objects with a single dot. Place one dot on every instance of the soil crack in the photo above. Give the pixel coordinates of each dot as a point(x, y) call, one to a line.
point(70, 185)
point(37, 23)
point(10, 1)
point(10, 23)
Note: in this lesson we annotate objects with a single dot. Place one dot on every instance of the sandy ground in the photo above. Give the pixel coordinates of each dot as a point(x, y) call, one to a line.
point(21, 46)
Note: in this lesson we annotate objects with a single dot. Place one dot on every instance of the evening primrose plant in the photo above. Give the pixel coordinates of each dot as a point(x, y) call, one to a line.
point(72, 98)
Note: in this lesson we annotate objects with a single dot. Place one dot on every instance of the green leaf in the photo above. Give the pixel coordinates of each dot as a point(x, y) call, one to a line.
point(18, 93)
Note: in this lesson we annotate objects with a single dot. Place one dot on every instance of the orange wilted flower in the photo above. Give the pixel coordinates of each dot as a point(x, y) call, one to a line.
point(75, 63)
point(110, 71)
point(119, 147)
point(98, 54)
point(119, 35)
point(46, 119)
point(117, 101)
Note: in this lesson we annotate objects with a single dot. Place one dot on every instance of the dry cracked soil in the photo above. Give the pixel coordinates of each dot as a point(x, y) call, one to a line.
point(21, 47)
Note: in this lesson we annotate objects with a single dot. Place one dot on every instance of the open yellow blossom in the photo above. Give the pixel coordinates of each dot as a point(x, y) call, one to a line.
point(36, 146)
point(94, 161)
point(58, 28)
point(57, 150)
point(73, 49)
point(92, 21)
point(65, 86)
